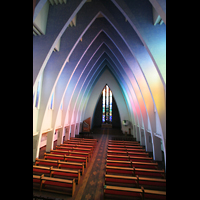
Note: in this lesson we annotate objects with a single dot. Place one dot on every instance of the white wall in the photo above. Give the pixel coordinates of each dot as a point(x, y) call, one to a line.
point(107, 78)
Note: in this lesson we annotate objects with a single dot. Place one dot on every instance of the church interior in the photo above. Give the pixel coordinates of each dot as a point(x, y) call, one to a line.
point(99, 99)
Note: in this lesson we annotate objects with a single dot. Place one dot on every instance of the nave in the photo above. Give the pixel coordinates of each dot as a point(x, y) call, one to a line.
point(92, 182)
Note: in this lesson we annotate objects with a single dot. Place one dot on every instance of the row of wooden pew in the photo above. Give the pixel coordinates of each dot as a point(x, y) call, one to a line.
point(128, 175)
point(61, 169)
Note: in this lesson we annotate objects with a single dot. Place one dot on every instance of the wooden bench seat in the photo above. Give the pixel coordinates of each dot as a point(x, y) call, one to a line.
point(55, 156)
point(152, 183)
point(71, 165)
point(88, 144)
point(77, 159)
point(36, 182)
point(153, 194)
point(60, 164)
point(57, 185)
point(85, 146)
point(120, 153)
point(123, 142)
point(68, 145)
point(120, 170)
point(74, 149)
point(72, 153)
point(134, 147)
point(50, 171)
point(66, 173)
point(39, 170)
point(81, 154)
point(136, 150)
point(149, 172)
point(87, 139)
point(66, 158)
point(44, 162)
point(141, 159)
point(126, 181)
point(116, 192)
point(135, 171)
point(138, 154)
point(116, 157)
point(125, 149)
point(135, 181)
point(117, 148)
point(145, 165)
point(118, 163)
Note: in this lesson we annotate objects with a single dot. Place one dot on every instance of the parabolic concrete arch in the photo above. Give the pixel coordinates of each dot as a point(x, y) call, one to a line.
point(73, 43)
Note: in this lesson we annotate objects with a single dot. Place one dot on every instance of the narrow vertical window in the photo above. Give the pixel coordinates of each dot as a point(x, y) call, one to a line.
point(110, 106)
point(103, 106)
point(51, 103)
point(106, 105)
point(38, 93)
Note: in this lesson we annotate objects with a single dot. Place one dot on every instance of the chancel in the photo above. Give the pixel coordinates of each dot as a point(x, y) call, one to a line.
point(99, 99)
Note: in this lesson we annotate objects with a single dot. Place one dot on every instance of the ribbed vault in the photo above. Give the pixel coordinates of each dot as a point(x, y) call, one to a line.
point(113, 40)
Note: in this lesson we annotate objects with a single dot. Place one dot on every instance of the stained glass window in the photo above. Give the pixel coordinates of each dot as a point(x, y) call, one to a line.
point(107, 105)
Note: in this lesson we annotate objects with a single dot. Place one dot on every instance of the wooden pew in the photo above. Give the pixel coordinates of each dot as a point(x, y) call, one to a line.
point(84, 139)
point(67, 174)
point(55, 156)
point(118, 163)
point(145, 165)
point(136, 150)
point(57, 185)
point(135, 181)
point(74, 149)
point(85, 146)
point(39, 170)
point(71, 142)
point(138, 154)
point(125, 149)
point(71, 165)
point(149, 172)
point(44, 162)
point(133, 147)
point(76, 159)
point(88, 144)
point(68, 145)
point(115, 157)
point(81, 154)
point(123, 142)
point(60, 164)
point(152, 183)
point(119, 153)
point(72, 153)
point(141, 159)
point(36, 182)
point(153, 194)
point(129, 171)
point(132, 171)
point(50, 171)
point(66, 158)
point(126, 181)
point(117, 148)
point(116, 192)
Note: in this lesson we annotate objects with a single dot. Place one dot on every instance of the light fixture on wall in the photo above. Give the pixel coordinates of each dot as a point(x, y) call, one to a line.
point(125, 122)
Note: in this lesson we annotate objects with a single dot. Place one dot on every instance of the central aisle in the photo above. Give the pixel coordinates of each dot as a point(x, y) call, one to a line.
point(93, 180)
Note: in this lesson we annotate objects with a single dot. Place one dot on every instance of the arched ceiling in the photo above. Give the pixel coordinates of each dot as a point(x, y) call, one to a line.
point(76, 41)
